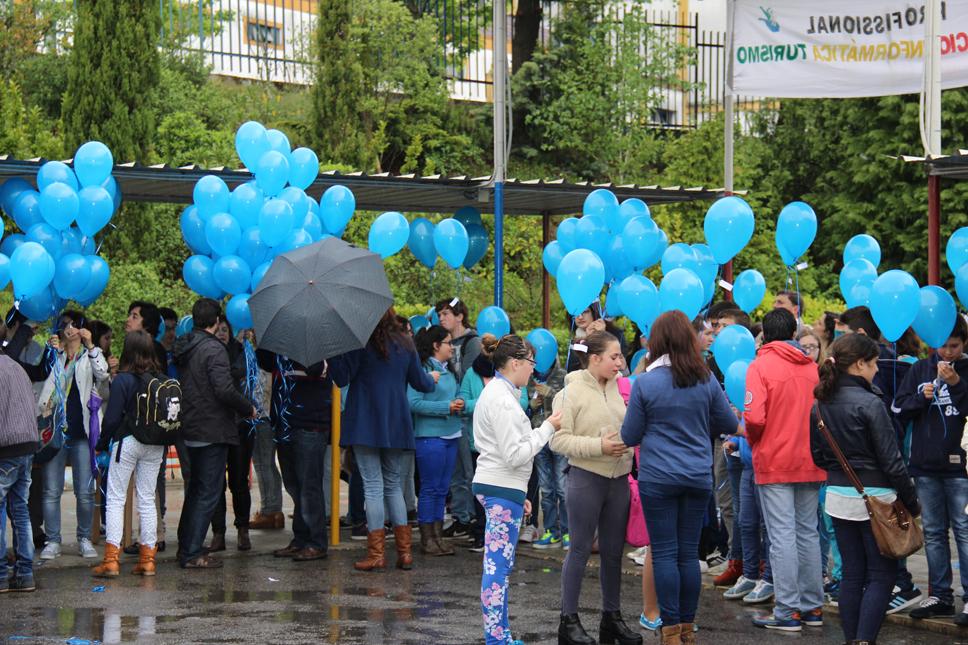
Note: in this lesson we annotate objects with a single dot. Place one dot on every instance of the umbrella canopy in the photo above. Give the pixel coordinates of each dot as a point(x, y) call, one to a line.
point(320, 300)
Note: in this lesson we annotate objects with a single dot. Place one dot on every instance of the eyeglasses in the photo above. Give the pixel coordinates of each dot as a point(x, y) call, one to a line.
point(532, 361)
point(811, 348)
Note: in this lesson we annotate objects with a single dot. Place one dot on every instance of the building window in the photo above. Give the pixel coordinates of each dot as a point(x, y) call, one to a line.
point(259, 33)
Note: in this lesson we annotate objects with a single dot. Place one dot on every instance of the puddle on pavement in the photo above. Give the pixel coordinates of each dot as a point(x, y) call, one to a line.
point(83, 626)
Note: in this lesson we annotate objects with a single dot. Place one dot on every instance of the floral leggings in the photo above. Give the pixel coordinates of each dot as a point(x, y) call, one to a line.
point(500, 539)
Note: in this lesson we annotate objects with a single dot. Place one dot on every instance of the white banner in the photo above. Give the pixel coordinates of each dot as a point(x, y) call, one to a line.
point(833, 48)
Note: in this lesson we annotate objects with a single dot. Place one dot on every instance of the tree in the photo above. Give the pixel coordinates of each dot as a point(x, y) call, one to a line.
point(113, 71)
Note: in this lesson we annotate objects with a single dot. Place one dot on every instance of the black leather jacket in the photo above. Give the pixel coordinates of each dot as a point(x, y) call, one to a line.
point(859, 422)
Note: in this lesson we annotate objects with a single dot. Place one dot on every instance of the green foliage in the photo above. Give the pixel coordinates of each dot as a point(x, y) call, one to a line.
point(24, 130)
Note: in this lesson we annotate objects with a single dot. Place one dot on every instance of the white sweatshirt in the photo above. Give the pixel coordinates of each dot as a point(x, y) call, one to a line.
point(504, 437)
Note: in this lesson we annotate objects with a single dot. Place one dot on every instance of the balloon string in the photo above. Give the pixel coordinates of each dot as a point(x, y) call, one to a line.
point(460, 281)
point(799, 300)
point(253, 385)
point(284, 396)
point(568, 359)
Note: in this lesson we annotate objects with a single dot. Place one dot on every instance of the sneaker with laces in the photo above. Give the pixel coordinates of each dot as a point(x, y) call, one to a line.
point(528, 534)
point(781, 624)
point(477, 546)
point(359, 532)
point(932, 607)
point(86, 548)
point(651, 625)
point(741, 589)
point(22, 584)
point(715, 560)
point(762, 593)
point(51, 550)
point(901, 600)
point(547, 541)
point(566, 541)
point(812, 618)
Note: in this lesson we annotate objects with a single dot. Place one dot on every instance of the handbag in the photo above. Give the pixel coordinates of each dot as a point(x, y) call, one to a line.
point(51, 438)
point(895, 531)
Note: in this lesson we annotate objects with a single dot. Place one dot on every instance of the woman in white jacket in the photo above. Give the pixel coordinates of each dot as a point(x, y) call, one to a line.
point(80, 369)
point(507, 445)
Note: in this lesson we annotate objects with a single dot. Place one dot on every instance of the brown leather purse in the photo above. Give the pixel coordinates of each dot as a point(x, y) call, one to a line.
point(896, 532)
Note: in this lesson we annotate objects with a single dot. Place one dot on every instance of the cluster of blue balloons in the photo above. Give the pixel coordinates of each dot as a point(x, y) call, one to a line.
point(461, 241)
point(54, 258)
point(235, 234)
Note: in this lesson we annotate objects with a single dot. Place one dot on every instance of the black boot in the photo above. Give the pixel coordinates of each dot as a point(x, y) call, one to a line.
point(570, 632)
point(614, 630)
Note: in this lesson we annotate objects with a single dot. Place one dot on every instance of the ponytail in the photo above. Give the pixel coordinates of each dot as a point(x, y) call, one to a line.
point(844, 352)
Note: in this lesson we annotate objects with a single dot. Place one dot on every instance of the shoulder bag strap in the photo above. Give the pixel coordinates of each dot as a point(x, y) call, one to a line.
point(839, 454)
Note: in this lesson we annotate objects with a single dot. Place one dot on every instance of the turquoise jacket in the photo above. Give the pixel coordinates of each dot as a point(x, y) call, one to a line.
point(470, 390)
point(431, 410)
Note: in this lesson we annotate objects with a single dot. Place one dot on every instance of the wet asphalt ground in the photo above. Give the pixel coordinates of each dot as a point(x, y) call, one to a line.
point(260, 599)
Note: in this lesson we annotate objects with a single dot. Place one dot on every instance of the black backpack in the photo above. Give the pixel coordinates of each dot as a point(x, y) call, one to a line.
point(156, 417)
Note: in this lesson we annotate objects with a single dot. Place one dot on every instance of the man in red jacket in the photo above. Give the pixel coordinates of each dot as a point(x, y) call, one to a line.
point(779, 396)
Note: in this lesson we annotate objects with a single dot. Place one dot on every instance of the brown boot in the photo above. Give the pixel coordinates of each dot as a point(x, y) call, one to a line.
point(262, 522)
point(403, 536)
point(428, 545)
point(375, 542)
point(672, 635)
point(146, 561)
point(109, 567)
point(244, 543)
point(445, 549)
point(217, 543)
point(279, 520)
point(686, 634)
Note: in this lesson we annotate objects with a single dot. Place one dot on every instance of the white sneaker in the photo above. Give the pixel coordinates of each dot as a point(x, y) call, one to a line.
point(703, 566)
point(51, 551)
point(639, 556)
point(637, 553)
point(86, 548)
point(528, 534)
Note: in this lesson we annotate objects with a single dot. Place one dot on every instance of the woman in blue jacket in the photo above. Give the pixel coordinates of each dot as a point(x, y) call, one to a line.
point(437, 427)
point(378, 426)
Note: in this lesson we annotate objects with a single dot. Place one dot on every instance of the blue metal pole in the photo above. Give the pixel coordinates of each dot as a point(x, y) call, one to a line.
point(499, 244)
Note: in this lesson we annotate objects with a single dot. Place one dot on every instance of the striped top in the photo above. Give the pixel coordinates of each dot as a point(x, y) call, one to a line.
point(17, 408)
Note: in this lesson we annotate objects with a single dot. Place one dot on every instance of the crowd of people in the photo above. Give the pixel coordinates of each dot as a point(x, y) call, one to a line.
point(459, 436)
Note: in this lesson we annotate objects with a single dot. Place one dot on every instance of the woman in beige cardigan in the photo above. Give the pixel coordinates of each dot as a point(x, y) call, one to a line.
point(597, 493)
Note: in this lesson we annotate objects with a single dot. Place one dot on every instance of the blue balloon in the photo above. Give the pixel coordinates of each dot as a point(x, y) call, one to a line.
point(11, 242)
point(545, 348)
point(468, 215)
point(682, 289)
point(298, 200)
point(388, 234)
point(31, 269)
point(894, 303)
point(640, 239)
point(71, 275)
point(259, 273)
point(279, 142)
point(432, 316)
point(961, 283)
point(728, 227)
point(617, 265)
point(95, 209)
point(639, 300)
point(4, 271)
point(296, 239)
point(313, 225)
point(956, 252)
point(251, 142)
point(477, 244)
point(39, 307)
point(276, 221)
point(336, 208)
point(313, 206)
point(660, 248)
point(100, 276)
point(26, 210)
point(272, 172)
point(72, 241)
point(613, 307)
point(9, 192)
point(493, 320)
point(59, 205)
point(48, 237)
point(734, 343)
point(706, 268)
point(591, 233)
point(566, 234)
point(601, 203)
point(245, 202)
point(863, 246)
point(232, 274)
point(93, 163)
point(637, 358)
point(53, 172)
point(581, 276)
point(551, 257)
point(418, 322)
point(679, 256)
point(237, 311)
point(303, 168)
point(796, 229)
point(749, 289)
point(193, 230)
point(421, 242)
point(451, 242)
point(252, 249)
point(197, 272)
point(788, 259)
point(629, 210)
point(735, 380)
point(223, 234)
point(936, 316)
point(856, 279)
point(211, 196)
point(184, 326)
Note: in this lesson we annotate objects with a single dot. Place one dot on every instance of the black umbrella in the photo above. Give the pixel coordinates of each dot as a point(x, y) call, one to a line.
point(320, 300)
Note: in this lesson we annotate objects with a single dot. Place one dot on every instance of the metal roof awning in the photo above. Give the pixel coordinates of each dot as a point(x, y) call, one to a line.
point(950, 166)
point(384, 192)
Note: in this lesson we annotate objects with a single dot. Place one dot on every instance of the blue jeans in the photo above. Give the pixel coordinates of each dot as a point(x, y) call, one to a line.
point(734, 467)
point(461, 497)
point(867, 583)
point(309, 513)
point(500, 540)
point(435, 463)
point(674, 517)
point(551, 480)
point(794, 546)
point(380, 469)
point(14, 491)
point(201, 497)
point(943, 502)
point(756, 541)
point(829, 551)
point(78, 452)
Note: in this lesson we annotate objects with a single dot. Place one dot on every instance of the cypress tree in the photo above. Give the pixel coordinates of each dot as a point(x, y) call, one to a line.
point(113, 74)
point(338, 127)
